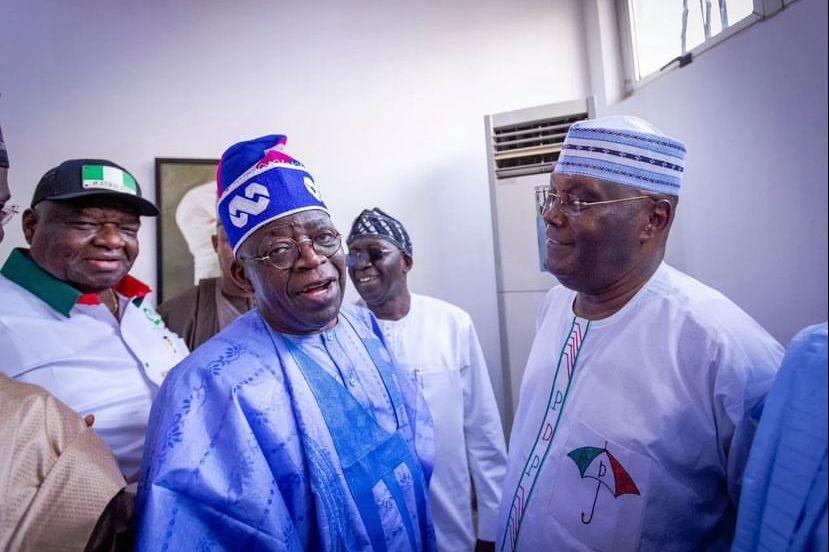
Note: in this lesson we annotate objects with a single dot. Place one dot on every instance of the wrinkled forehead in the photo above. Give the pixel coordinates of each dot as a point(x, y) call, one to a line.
point(292, 226)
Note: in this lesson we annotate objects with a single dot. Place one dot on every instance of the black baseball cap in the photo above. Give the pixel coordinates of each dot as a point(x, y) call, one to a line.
point(77, 178)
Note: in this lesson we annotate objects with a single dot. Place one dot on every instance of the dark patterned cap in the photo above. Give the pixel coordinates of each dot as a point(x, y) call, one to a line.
point(377, 224)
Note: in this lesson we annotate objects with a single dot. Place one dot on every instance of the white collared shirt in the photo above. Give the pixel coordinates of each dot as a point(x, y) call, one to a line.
point(87, 359)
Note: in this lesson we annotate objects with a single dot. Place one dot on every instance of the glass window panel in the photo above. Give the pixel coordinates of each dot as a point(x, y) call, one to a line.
point(657, 28)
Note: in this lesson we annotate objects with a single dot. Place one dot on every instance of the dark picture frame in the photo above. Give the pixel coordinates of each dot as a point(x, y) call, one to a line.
point(174, 177)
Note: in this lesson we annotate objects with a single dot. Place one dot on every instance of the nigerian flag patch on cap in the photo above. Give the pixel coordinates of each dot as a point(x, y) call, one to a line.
point(108, 178)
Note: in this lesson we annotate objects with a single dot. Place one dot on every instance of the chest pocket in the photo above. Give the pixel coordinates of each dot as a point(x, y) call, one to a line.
point(601, 490)
point(151, 342)
point(435, 376)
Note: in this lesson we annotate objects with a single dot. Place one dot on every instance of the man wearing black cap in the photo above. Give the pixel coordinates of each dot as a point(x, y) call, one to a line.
point(56, 475)
point(72, 320)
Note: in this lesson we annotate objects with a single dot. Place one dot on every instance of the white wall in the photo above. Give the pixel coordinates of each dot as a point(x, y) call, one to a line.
point(383, 101)
point(752, 219)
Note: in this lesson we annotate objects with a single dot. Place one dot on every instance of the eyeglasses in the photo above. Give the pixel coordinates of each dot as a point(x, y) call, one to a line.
point(370, 255)
point(284, 253)
point(572, 206)
point(7, 213)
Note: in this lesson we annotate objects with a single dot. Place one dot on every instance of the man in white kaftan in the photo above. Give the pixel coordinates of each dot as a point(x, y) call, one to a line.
point(643, 387)
point(436, 343)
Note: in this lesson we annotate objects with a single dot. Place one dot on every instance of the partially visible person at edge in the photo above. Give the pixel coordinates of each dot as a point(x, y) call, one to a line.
point(204, 310)
point(784, 498)
point(56, 475)
point(436, 343)
point(72, 320)
point(643, 386)
point(290, 429)
point(7, 209)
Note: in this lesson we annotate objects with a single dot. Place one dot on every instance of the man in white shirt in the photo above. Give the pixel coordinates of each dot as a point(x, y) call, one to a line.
point(56, 475)
point(72, 320)
point(435, 342)
point(643, 387)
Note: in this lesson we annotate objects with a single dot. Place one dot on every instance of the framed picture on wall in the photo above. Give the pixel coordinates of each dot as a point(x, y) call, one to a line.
point(185, 191)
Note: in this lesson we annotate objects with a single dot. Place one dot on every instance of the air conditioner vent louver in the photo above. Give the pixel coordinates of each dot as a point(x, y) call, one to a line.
point(530, 147)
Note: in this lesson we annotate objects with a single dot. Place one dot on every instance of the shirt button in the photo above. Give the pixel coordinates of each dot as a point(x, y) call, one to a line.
point(351, 381)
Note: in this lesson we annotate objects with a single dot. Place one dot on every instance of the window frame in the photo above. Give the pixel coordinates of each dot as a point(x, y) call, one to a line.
point(762, 10)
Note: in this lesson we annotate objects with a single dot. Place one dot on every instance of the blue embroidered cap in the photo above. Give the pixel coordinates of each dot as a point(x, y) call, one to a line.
point(257, 183)
point(623, 150)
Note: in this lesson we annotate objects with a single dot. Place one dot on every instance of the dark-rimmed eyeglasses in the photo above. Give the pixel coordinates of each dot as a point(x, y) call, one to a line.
point(572, 206)
point(284, 253)
point(370, 255)
point(7, 213)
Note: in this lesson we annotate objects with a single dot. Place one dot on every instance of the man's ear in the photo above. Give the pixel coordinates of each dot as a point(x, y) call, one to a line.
point(239, 276)
point(29, 223)
point(408, 262)
point(659, 219)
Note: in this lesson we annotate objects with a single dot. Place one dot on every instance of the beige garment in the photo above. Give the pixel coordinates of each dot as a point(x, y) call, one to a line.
point(56, 475)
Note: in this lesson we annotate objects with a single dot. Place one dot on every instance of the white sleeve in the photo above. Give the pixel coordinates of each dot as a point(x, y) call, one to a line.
point(744, 376)
point(485, 449)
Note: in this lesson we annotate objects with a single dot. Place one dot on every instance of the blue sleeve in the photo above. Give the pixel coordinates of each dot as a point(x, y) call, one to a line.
point(784, 496)
point(206, 482)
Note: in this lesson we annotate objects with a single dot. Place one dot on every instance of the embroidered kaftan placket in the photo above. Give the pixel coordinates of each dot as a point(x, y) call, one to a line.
point(336, 351)
point(366, 450)
point(559, 391)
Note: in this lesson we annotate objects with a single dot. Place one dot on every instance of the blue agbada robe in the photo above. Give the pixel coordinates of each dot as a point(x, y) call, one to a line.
point(255, 443)
point(784, 497)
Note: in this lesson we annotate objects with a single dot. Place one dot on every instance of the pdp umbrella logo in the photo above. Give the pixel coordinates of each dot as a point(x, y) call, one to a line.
point(592, 463)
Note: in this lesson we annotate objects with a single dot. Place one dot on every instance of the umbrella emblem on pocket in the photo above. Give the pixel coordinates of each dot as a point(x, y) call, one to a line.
point(592, 463)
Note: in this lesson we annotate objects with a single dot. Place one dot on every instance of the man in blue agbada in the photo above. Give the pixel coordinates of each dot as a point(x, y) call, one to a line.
point(784, 496)
point(290, 429)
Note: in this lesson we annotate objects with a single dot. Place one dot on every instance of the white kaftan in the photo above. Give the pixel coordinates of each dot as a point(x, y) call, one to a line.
point(632, 432)
point(436, 342)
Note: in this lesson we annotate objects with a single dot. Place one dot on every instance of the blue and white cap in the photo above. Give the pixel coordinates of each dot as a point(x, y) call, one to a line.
point(258, 183)
point(623, 150)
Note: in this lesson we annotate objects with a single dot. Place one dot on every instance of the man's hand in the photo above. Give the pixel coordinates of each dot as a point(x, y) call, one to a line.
point(484, 546)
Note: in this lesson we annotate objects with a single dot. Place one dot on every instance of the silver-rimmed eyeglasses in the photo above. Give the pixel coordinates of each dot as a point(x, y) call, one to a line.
point(7, 213)
point(572, 206)
point(285, 252)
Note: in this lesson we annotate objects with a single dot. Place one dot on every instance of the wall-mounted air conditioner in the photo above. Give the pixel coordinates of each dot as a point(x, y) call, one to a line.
point(521, 146)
